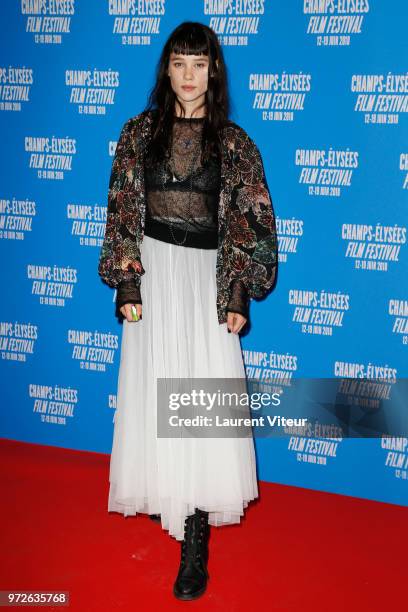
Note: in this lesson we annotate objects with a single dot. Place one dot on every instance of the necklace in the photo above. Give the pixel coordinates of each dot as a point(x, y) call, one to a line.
point(174, 179)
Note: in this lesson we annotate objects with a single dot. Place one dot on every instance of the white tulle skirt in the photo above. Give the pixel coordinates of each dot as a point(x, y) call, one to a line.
point(178, 336)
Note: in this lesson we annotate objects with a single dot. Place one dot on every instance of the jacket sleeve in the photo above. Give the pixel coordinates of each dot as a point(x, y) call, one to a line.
point(251, 226)
point(119, 259)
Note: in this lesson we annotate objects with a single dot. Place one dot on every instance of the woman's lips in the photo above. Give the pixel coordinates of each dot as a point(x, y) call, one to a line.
point(187, 87)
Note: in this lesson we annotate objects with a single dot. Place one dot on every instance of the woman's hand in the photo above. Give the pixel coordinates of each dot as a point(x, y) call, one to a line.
point(126, 310)
point(235, 322)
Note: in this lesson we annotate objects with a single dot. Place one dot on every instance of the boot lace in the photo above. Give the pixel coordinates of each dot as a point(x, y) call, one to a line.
point(191, 546)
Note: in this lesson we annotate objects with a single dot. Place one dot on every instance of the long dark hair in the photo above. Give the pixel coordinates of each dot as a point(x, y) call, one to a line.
point(189, 38)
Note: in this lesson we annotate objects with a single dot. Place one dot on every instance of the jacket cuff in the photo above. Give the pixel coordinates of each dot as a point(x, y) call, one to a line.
point(127, 292)
point(239, 300)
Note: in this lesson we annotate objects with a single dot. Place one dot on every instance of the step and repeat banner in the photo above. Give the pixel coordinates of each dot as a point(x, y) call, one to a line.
point(322, 88)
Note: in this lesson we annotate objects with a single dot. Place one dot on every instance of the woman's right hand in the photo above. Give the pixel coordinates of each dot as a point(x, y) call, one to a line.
point(126, 310)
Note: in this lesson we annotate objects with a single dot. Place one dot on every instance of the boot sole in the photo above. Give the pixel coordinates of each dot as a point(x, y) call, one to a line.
point(186, 596)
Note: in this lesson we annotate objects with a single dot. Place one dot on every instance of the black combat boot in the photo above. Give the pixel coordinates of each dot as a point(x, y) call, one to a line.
point(192, 576)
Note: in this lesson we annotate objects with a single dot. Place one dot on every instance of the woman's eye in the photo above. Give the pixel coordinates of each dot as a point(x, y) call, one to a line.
point(178, 64)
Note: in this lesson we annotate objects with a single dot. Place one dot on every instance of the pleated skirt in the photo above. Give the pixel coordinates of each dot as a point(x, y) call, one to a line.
point(178, 336)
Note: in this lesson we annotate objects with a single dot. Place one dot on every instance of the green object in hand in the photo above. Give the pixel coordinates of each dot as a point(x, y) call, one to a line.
point(135, 316)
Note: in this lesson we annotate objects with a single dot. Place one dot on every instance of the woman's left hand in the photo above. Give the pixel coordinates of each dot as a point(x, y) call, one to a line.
point(235, 322)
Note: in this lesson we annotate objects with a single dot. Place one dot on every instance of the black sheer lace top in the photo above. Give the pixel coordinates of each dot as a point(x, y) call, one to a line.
point(182, 198)
point(182, 195)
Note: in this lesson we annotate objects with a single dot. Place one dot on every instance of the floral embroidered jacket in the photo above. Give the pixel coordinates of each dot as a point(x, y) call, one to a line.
point(247, 239)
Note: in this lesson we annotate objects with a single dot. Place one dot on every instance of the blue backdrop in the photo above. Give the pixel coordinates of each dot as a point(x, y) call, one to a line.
point(322, 88)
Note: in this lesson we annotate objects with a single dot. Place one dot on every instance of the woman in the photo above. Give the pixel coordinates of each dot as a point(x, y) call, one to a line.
point(190, 238)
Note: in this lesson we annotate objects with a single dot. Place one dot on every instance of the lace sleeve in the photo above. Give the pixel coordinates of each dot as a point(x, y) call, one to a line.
point(127, 292)
point(239, 301)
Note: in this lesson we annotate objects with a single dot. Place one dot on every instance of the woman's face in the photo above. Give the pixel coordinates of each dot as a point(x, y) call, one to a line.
point(189, 78)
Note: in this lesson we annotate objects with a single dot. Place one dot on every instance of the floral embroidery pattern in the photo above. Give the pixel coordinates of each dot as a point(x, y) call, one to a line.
point(247, 230)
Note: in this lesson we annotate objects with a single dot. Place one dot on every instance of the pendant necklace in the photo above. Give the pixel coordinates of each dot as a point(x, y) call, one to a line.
point(174, 179)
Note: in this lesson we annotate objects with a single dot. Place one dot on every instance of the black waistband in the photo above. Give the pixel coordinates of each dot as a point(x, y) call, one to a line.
point(161, 231)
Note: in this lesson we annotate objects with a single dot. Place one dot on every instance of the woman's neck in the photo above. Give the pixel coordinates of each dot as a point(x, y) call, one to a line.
point(190, 112)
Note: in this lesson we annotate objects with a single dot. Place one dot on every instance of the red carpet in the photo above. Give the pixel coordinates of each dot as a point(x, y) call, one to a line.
point(296, 549)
